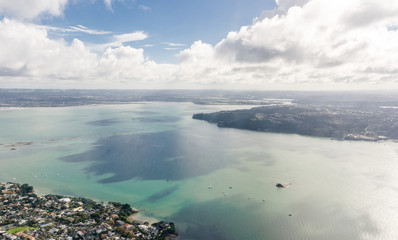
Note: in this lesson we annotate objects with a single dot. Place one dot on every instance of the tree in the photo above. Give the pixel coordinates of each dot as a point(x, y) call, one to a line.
point(25, 189)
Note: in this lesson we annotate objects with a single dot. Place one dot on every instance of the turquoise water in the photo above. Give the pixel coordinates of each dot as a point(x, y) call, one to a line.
point(214, 183)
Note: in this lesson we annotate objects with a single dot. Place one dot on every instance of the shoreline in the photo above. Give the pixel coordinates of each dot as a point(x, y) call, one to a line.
point(138, 216)
point(28, 214)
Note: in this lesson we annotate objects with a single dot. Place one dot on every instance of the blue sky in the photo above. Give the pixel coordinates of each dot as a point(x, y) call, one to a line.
point(179, 22)
point(207, 44)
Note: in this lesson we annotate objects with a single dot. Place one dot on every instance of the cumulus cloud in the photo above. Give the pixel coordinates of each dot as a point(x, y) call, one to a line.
point(324, 42)
point(283, 7)
point(320, 43)
point(29, 57)
point(29, 9)
point(198, 53)
point(26, 49)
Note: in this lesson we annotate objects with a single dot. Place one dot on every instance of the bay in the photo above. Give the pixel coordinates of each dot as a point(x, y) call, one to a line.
point(214, 183)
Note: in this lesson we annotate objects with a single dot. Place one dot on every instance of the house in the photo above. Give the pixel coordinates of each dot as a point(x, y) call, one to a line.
point(24, 236)
point(120, 223)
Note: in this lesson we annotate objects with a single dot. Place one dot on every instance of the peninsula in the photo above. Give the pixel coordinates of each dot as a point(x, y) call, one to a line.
point(337, 122)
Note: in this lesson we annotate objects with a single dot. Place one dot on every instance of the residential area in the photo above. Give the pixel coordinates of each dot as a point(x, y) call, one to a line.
point(24, 215)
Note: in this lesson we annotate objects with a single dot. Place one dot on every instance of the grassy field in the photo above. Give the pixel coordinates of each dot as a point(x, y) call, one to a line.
point(19, 229)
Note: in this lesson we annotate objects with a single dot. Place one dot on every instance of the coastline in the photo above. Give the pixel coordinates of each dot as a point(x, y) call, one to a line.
point(337, 123)
point(138, 216)
point(27, 214)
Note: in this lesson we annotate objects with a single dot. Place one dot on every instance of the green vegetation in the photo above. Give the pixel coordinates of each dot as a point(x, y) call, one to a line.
point(19, 229)
point(171, 230)
point(125, 209)
point(25, 189)
point(350, 123)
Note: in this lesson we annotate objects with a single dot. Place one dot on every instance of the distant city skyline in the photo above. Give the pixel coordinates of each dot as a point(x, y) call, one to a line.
point(177, 44)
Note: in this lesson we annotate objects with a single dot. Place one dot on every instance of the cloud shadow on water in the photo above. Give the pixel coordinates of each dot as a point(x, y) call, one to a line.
point(161, 194)
point(169, 155)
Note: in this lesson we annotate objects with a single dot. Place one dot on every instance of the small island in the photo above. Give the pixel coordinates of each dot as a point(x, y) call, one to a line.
point(24, 215)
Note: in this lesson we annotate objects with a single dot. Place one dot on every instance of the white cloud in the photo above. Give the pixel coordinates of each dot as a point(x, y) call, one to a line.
point(83, 29)
point(119, 40)
point(27, 51)
point(282, 7)
point(145, 8)
point(108, 4)
point(29, 58)
point(130, 37)
point(29, 9)
point(75, 29)
point(171, 44)
point(199, 52)
point(319, 44)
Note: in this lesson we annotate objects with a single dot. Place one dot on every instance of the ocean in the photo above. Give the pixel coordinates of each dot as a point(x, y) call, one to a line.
point(214, 183)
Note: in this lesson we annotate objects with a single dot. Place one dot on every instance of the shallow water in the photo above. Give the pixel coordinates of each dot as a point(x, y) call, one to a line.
point(215, 183)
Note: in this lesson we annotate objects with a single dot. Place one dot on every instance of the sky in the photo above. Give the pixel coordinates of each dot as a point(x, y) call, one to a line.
point(206, 44)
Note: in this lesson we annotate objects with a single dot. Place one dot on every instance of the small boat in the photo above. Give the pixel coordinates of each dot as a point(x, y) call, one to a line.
point(282, 185)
